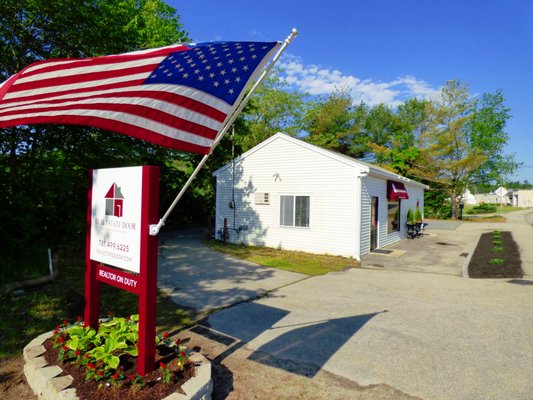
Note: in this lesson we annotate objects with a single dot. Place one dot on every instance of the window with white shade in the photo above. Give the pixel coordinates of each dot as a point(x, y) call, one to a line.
point(294, 211)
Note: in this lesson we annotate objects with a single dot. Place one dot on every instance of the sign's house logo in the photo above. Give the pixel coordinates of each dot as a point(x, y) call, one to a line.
point(114, 201)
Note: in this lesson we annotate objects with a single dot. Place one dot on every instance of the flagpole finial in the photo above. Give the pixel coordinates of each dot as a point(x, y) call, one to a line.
point(292, 35)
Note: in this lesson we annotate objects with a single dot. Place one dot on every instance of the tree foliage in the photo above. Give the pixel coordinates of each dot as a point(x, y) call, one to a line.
point(44, 168)
point(448, 142)
point(273, 108)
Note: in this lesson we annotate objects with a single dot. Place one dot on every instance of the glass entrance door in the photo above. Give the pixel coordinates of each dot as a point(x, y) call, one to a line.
point(374, 223)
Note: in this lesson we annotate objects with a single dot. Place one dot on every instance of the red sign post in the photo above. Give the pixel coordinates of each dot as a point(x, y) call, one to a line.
point(144, 282)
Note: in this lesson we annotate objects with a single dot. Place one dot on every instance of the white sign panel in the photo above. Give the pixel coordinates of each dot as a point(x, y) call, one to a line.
point(116, 217)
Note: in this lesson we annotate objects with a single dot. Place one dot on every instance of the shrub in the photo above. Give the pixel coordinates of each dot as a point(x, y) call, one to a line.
point(482, 209)
point(418, 214)
point(410, 216)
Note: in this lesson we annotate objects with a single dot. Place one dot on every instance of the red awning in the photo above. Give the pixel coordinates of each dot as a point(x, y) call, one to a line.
point(396, 191)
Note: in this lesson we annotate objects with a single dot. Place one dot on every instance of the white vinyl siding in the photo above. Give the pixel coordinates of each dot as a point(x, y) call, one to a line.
point(285, 168)
point(337, 190)
point(377, 186)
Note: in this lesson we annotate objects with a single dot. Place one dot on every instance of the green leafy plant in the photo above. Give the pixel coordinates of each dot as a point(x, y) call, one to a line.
point(410, 217)
point(115, 337)
point(497, 249)
point(100, 352)
point(418, 215)
point(136, 381)
point(496, 261)
point(497, 242)
point(167, 375)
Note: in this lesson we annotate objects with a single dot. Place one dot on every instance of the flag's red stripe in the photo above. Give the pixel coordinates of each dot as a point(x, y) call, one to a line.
point(109, 86)
point(91, 76)
point(132, 109)
point(115, 126)
point(70, 63)
point(176, 99)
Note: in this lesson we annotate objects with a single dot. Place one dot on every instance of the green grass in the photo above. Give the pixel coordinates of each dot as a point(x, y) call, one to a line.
point(41, 309)
point(294, 261)
point(486, 218)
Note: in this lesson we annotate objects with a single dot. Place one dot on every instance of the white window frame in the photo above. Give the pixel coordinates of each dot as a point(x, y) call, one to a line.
point(294, 195)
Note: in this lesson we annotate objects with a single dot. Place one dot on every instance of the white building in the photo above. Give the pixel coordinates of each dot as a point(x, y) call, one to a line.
point(289, 194)
point(520, 197)
point(468, 198)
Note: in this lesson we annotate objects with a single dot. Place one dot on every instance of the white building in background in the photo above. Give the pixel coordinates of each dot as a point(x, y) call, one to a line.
point(289, 194)
point(491, 198)
point(468, 198)
point(520, 197)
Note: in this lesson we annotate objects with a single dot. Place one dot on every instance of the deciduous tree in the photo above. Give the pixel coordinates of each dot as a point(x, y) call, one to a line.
point(44, 168)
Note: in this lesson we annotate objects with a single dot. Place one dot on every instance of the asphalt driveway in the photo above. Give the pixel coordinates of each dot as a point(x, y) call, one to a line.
point(427, 335)
point(445, 246)
point(197, 277)
point(434, 335)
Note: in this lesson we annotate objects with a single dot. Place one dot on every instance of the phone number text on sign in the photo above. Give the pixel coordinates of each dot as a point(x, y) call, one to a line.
point(113, 245)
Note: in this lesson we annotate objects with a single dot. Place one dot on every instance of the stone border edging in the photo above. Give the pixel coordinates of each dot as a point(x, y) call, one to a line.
point(47, 385)
point(464, 270)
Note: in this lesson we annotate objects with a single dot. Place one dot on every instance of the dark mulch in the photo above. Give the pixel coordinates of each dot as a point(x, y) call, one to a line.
point(153, 389)
point(480, 266)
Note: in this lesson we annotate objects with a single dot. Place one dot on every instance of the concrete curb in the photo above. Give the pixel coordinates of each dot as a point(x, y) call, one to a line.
point(464, 269)
point(47, 385)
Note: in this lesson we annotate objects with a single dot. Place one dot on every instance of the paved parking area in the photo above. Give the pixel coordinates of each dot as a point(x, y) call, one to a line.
point(444, 246)
point(432, 336)
point(197, 277)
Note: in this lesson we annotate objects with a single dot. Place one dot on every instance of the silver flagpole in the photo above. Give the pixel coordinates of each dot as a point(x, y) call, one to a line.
point(154, 229)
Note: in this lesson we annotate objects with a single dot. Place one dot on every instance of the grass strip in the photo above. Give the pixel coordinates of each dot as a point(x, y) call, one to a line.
point(294, 261)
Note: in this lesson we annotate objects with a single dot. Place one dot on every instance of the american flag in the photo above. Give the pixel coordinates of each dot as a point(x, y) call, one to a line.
point(177, 96)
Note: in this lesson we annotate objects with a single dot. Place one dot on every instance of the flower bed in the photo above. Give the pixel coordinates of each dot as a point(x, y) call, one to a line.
point(68, 380)
point(496, 256)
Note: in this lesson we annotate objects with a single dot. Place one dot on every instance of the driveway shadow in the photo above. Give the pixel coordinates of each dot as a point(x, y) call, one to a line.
point(302, 348)
point(305, 350)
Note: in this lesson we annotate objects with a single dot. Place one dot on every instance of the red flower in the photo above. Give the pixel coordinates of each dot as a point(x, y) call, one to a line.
point(114, 376)
point(77, 352)
point(56, 330)
point(178, 342)
point(79, 318)
point(182, 354)
point(131, 377)
point(110, 313)
point(87, 356)
point(61, 339)
point(162, 365)
point(91, 366)
point(165, 335)
point(101, 372)
point(65, 348)
point(65, 322)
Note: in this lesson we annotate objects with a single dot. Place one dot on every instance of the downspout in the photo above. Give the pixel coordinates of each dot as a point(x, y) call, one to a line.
point(233, 174)
point(358, 214)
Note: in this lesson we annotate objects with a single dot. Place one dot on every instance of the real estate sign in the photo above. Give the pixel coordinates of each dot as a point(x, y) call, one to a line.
point(123, 203)
point(116, 217)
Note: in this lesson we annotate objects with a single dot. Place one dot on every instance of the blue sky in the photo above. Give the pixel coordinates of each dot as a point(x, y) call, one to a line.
point(388, 50)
